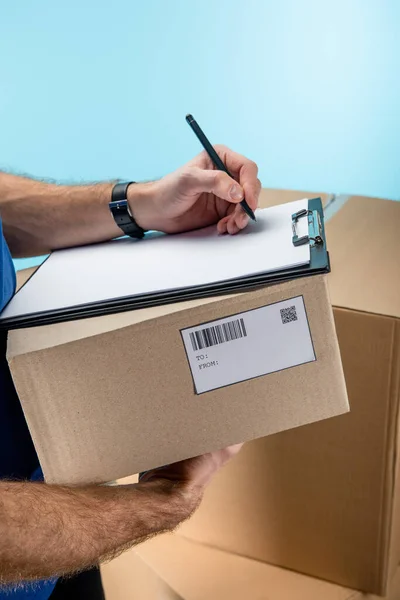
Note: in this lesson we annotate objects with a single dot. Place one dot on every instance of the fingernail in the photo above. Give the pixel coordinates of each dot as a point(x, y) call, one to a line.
point(243, 220)
point(236, 192)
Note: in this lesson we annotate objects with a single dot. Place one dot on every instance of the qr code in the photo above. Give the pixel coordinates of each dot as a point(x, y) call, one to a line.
point(288, 314)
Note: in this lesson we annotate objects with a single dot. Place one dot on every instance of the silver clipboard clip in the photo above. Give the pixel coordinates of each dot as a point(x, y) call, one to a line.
point(314, 237)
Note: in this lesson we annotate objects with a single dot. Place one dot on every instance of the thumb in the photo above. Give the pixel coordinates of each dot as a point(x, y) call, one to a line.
point(215, 182)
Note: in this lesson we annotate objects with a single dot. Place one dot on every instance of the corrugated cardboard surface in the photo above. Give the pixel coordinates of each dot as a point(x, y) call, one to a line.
point(129, 578)
point(270, 197)
point(324, 499)
point(364, 245)
point(109, 405)
point(197, 572)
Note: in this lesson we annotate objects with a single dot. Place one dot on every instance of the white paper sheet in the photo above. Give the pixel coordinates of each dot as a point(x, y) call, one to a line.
point(128, 267)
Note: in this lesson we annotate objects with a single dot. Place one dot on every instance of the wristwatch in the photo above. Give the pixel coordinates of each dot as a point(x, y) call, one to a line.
point(120, 210)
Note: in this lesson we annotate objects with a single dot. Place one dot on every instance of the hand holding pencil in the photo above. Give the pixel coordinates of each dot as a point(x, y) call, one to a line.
point(199, 194)
point(215, 158)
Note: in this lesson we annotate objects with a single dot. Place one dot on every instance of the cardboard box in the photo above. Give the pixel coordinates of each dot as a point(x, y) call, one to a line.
point(129, 577)
point(111, 396)
point(172, 568)
point(271, 197)
point(325, 499)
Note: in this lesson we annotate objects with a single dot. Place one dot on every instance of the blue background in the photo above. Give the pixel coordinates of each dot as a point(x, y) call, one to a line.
point(309, 89)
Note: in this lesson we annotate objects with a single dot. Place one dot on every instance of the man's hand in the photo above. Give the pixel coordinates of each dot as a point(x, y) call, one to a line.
point(198, 195)
point(49, 530)
point(192, 475)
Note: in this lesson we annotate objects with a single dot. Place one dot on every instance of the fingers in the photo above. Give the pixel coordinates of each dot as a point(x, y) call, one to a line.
point(230, 452)
point(194, 472)
point(202, 178)
point(234, 222)
point(232, 226)
point(214, 461)
point(197, 181)
point(251, 185)
point(245, 170)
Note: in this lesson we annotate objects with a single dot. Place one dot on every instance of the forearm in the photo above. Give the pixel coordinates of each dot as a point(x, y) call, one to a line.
point(52, 530)
point(39, 217)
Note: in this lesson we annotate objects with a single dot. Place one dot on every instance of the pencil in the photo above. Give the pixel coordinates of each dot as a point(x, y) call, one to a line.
point(215, 158)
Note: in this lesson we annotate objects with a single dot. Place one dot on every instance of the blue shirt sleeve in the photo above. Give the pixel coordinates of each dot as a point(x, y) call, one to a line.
point(13, 431)
point(7, 272)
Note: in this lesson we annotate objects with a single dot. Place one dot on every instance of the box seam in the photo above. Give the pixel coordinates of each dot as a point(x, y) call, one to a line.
point(353, 593)
point(388, 487)
point(365, 312)
point(394, 389)
point(36, 416)
point(156, 572)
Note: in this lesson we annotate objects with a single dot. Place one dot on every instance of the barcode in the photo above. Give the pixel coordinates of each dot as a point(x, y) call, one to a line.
point(218, 334)
point(288, 314)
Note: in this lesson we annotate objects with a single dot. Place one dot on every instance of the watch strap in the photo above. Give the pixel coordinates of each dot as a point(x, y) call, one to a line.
point(120, 210)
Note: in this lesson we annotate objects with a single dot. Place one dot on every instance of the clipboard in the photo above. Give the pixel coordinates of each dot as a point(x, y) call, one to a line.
point(319, 264)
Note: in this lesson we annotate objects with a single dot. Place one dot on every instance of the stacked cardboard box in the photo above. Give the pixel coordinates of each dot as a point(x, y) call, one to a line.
point(324, 499)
